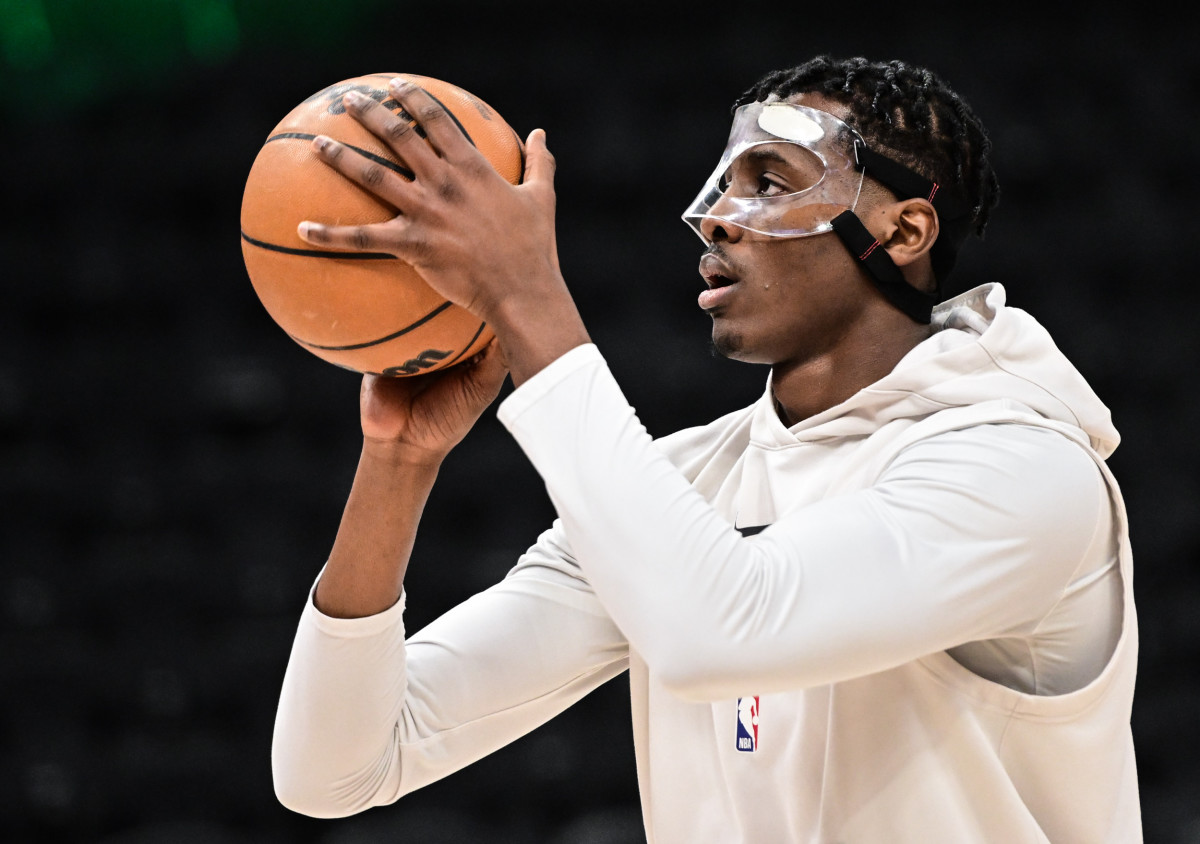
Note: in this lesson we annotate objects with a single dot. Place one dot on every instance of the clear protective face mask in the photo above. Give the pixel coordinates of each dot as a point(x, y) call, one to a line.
point(787, 171)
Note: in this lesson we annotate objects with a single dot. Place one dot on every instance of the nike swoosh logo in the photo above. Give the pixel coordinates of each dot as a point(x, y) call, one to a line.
point(751, 530)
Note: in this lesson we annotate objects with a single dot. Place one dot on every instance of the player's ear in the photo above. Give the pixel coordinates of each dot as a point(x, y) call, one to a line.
point(910, 229)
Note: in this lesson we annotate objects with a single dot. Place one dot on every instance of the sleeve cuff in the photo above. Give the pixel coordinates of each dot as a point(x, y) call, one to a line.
point(537, 387)
point(353, 628)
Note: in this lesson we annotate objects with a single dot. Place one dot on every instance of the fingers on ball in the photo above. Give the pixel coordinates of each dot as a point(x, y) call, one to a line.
point(441, 130)
point(359, 238)
point(382, 122)
point(357, 167)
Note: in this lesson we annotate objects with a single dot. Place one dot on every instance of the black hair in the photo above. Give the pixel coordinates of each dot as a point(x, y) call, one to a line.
point(904, 112)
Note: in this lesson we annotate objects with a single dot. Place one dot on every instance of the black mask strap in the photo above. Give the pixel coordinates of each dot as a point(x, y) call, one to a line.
point(952, 222)
point(886, 275)
point(953, 218)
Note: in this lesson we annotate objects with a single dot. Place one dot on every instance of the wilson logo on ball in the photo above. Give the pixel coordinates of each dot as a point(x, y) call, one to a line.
point(426, 360)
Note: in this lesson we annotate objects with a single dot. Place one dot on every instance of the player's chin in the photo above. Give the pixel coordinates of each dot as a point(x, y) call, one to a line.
point(727, 342)
point(734, 343)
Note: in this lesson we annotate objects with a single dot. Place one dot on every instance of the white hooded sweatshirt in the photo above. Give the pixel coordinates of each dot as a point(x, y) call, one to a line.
point(906, 619)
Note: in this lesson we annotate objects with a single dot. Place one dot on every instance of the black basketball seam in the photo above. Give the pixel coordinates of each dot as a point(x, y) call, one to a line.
point(470, 343)
point(453, 116)
point(386, 162)
point(393, 336)
point(318, 253)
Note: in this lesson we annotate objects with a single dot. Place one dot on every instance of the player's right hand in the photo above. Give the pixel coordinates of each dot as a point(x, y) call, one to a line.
point(421, 418)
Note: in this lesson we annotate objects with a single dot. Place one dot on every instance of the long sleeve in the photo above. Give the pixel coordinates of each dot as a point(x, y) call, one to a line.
point(365, 717)
point(963, 538)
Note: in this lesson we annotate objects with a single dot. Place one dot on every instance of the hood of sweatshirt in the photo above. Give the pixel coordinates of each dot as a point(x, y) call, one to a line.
point(981, 350)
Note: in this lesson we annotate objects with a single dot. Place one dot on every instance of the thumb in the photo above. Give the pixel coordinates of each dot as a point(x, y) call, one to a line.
point(487, 370)
point(539, 162)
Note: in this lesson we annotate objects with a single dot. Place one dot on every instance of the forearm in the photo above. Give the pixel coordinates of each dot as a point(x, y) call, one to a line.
point(364, 717)
point(647, 541)
point(365, 572)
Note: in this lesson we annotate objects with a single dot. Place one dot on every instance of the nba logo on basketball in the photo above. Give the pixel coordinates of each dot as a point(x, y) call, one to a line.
point(747, 724)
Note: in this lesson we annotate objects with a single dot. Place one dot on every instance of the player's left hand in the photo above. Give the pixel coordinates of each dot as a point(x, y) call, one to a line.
point(473, 237)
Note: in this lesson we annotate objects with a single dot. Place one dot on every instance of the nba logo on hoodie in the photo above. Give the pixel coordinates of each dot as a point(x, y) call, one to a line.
point(747, 724)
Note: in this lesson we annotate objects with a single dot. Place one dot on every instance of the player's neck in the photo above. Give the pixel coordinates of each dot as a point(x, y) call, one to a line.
point(804, 388)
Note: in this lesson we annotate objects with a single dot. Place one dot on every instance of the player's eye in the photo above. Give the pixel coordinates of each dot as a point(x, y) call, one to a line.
point(769, 185)
point(752, 182)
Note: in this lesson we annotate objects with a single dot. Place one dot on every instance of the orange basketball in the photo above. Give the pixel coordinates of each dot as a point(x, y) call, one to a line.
point(369, 312)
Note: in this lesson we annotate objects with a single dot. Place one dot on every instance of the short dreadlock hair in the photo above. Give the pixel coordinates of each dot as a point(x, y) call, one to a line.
point(904, 112)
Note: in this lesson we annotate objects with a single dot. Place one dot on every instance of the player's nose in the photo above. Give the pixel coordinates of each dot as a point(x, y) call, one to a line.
point(716, 230)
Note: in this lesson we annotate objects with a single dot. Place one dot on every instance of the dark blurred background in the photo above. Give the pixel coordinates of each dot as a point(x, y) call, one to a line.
point(172, 467)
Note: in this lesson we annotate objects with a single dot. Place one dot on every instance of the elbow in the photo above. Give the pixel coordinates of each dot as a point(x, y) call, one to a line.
point(301, 787)
point(711, 670)
point(692, 677)
point(305, 796)
point(324, 776)
point(302, 802)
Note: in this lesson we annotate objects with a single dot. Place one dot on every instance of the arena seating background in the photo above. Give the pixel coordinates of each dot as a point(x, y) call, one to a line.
point(172, 467)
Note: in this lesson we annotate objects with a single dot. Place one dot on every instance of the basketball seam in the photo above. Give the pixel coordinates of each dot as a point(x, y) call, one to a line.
point(453, 116)
point(469, 344)
point(318, 253)
point(386, 162)
point(393, 336)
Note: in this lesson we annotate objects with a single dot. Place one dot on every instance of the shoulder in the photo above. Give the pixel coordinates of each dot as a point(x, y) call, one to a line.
point(1006, 474)
point(1005, 447)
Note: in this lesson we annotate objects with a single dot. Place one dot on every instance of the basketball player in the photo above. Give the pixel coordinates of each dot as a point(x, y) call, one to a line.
point(890, 601)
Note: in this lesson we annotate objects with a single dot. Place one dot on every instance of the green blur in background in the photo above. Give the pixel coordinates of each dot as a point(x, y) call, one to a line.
point(73, 48)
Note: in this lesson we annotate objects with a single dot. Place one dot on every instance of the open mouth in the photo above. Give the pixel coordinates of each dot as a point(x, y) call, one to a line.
point(719, 283)
point(714, 271)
